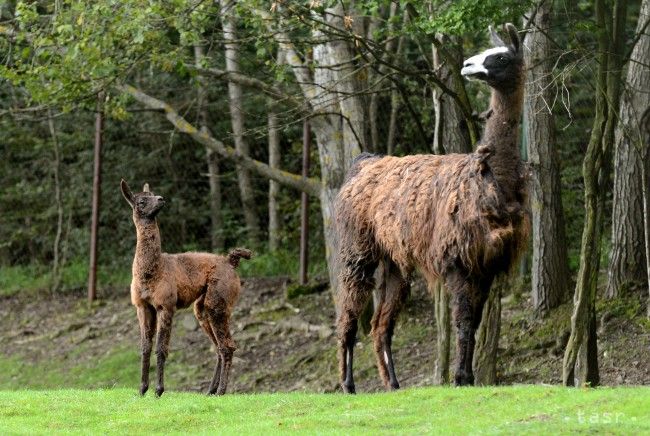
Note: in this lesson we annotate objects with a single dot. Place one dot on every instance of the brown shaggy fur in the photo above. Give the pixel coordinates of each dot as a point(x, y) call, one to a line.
point(165, 282)
point(460, 218)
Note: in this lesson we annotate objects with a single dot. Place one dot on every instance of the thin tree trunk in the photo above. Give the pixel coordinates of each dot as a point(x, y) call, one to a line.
point(550, 266)
point(443, 333)
point(56, 260)
point(581, 356)
point(450, 133)
point(274, 163)
point(646, 216)
point(373, 108)
point(628, 260)
point(487, 338)
point(274, 187)
point(235, 101)
point(216, 220)
point(304, 206)
point(212, 159)
point(97, 184)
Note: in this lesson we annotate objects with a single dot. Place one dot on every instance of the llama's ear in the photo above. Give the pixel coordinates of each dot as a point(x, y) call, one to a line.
point(495, 38)
point(514, 36)
point(126, 192)
point(145, 188)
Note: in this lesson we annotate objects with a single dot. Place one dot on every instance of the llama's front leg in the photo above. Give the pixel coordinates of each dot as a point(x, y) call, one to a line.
point(463, 292)
point(147, 321)
point(164, 316)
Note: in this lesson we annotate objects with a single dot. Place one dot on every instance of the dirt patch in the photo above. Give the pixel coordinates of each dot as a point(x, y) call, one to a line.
point(290, 345)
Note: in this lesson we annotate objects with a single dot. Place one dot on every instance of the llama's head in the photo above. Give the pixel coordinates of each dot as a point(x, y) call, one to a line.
point(501, 67)
point(145, 204)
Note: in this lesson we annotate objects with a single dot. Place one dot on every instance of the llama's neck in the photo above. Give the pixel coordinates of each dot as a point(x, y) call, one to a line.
point(147, 260)
point(502, 136)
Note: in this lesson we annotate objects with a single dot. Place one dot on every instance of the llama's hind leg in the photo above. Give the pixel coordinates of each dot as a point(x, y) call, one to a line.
point(147, 321)
point(357, 284)
point(394, 291)
point(219, 321)
point(202, 317)
point(164, 319)
point(218, 315)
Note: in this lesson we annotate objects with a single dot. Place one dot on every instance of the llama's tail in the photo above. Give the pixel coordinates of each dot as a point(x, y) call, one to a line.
point(236, 254)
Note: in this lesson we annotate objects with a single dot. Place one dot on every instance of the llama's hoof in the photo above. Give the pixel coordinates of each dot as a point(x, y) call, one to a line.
point(159, 391)
point(393, 386)
point(348, 388)
point(143, 389)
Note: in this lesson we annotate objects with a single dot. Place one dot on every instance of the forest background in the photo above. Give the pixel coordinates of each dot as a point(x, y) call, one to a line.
point(208, 102)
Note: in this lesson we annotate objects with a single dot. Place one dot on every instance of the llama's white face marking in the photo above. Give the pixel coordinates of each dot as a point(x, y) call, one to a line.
point(474, 67)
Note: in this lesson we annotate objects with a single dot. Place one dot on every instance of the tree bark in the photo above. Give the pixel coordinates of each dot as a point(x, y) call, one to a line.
point(235, 101)
point(487, 338)
point(581, 356)
point(212, 159)
point(450, 131)
point(274, 187)
point(97, 185)
point(550, 266)
point(627, 266)
point(274, 163)
point(56, 247)
point(443, 334)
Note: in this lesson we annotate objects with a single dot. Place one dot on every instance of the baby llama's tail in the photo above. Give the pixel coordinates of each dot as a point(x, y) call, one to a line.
point(236, 254)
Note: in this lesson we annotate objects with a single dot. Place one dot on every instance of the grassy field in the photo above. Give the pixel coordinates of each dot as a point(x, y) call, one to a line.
point(517, 409)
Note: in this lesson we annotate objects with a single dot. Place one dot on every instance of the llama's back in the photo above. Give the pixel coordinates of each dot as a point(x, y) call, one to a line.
point(194, 271)
point(400, 206)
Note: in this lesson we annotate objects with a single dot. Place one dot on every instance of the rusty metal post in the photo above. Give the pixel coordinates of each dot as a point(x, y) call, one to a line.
point(97, 183)
point(304, 205)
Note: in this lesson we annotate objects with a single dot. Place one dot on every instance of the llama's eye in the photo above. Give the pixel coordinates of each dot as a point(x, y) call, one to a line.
point(502, 60)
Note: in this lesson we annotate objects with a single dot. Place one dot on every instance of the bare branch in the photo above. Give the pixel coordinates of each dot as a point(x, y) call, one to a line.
point(309, 185)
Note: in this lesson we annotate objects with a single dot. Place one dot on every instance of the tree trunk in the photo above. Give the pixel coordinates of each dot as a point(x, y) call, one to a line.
point(450, 132)
point(550, 267)
point(97, 185)
point(56, 248)
point(216, 221)
point(581, 355)
point(274, 187)
point(628, 259)
point(443, 333)
point(449, 137)
point(487, 338)
point(212, 159)
point(235, 101)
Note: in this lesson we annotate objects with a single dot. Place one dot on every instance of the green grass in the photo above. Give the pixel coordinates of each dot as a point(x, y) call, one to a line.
point(119, 368)
point(279, 263)
point(511, 410)
point(74, 275)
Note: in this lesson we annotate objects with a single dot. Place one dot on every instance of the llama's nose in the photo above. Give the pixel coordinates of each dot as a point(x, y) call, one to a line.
point(160, 199)
point(467, 63)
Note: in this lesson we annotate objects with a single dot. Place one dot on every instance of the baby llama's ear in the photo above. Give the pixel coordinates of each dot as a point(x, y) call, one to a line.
point(495, 38)
point(145, 188)
point(514, 36)
point(126, 192)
